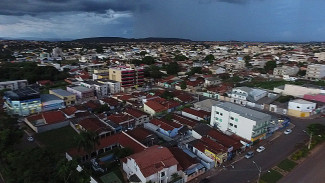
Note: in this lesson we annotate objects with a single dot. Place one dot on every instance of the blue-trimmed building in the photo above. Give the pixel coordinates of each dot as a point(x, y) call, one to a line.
point(51, 102)
point(22, 102)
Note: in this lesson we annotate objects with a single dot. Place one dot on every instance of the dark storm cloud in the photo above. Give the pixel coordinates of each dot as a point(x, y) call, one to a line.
point(35, 7)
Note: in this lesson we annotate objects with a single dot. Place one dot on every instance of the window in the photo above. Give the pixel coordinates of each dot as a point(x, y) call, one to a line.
point(221, 114)
point(220, 120)
point(162, 174)
point(298, 107)
point(235, 126)
point(217, 112)
point(231, 124)
point(232, 118)
point(236, 119)
point(217, 119)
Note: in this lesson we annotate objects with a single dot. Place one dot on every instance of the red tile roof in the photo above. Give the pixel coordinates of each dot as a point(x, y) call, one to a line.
point(184, 159)
point(184, 120)
point(185, 98)
point(94, 125)
point(154, 159)
point(224, 139)
point(155, 106)
point(140, 133)
point(52, 117)
point(213, 146)
point(120, 118)
point(111, 101)
point(69, 110)
point(135, 112)
point(161, 124)
point(199, 113)
point(123, 139)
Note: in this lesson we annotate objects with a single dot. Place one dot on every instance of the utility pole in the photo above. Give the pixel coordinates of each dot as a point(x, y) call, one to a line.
point(310, 138)
point(259, 171)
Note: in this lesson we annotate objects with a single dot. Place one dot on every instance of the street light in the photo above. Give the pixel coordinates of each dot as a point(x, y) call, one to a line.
point(310, 137)
point(259, 171)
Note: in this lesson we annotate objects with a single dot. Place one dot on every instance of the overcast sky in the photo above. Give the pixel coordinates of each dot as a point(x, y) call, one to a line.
point(243, 20)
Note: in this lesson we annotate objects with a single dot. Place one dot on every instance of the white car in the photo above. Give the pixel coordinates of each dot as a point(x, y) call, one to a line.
point(30, 139)
point(287, 131)
point(260, 149)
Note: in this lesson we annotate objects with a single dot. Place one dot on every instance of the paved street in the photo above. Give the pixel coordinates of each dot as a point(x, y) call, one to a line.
point(279, 149)
point(314, 165)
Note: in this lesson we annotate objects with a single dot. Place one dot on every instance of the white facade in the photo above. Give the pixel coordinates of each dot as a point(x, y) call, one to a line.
point(242, 121)
point(302, 105)
point(100, 89)
point(162, 176)
point(316, 71)
point(297, 91)
point(249, 94)
point(285, 70)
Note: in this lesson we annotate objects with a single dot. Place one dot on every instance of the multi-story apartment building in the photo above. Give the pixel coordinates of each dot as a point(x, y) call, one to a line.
point(285, 70)
point(68, 97)
point(316, 71)
point(127, 76)
point(82, 93)
point(113, 86)
point(244, 122)
point(22, 102)
point(101, 89)
point(13, 85)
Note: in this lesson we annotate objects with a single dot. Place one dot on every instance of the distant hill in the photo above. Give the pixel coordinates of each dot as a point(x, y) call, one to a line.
point(120, 39)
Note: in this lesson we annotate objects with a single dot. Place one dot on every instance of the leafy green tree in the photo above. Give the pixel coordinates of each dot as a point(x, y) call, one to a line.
point(148, 60)
point(270, 65)
point(87, 141)
point(195, 70)
point(183, 85)
point(301, 73)
point(143, 53)
point(180, 57)
point(209, 57)
point(172, 68)
point(67, 172)
point(123, 152)
point(167, 95)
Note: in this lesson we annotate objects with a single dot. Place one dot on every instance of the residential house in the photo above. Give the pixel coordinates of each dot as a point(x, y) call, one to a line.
point(101, 90)
point(198, 115)
point(124, 120)
point(167, 128)
point(286, 70)
point(111, 102)
point(46, 121)
point(316, 71)
point(211, 81)
point(191, 167)
point(144, 136)
point(147, 166)
point(139, 116)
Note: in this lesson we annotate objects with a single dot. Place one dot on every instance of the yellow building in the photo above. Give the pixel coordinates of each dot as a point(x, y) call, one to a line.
point(67, 97)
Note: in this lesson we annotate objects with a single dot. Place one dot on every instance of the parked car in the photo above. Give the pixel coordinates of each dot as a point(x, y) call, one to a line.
point(249, 154)
point(260, 149)
point(287, 131)
point(30, 139)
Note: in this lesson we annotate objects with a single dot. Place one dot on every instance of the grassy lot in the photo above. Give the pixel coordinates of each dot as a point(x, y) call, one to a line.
point(287, 165)
point(58, 140)
point(271, 177)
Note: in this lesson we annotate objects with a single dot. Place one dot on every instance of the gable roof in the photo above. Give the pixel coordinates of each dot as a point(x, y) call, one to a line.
point(119, 118)
point(140, 133)
point(154, 159)
point(163, 125)
point(199, 113)
point(135, 112)
point(155, 106)
point(94, 125)
point(183, 120)
point(52, 117)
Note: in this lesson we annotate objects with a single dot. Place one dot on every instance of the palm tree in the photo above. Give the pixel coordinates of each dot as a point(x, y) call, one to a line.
point(87, 141)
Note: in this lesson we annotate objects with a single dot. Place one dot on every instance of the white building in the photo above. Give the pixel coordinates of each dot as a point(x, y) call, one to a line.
point(114, 86)
point(101, 90)
point(316, 71)
point(320, 56)
point(244, 122)
point(155, 164)
point(246, 93)
point(285, 70)
point(301, 108)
